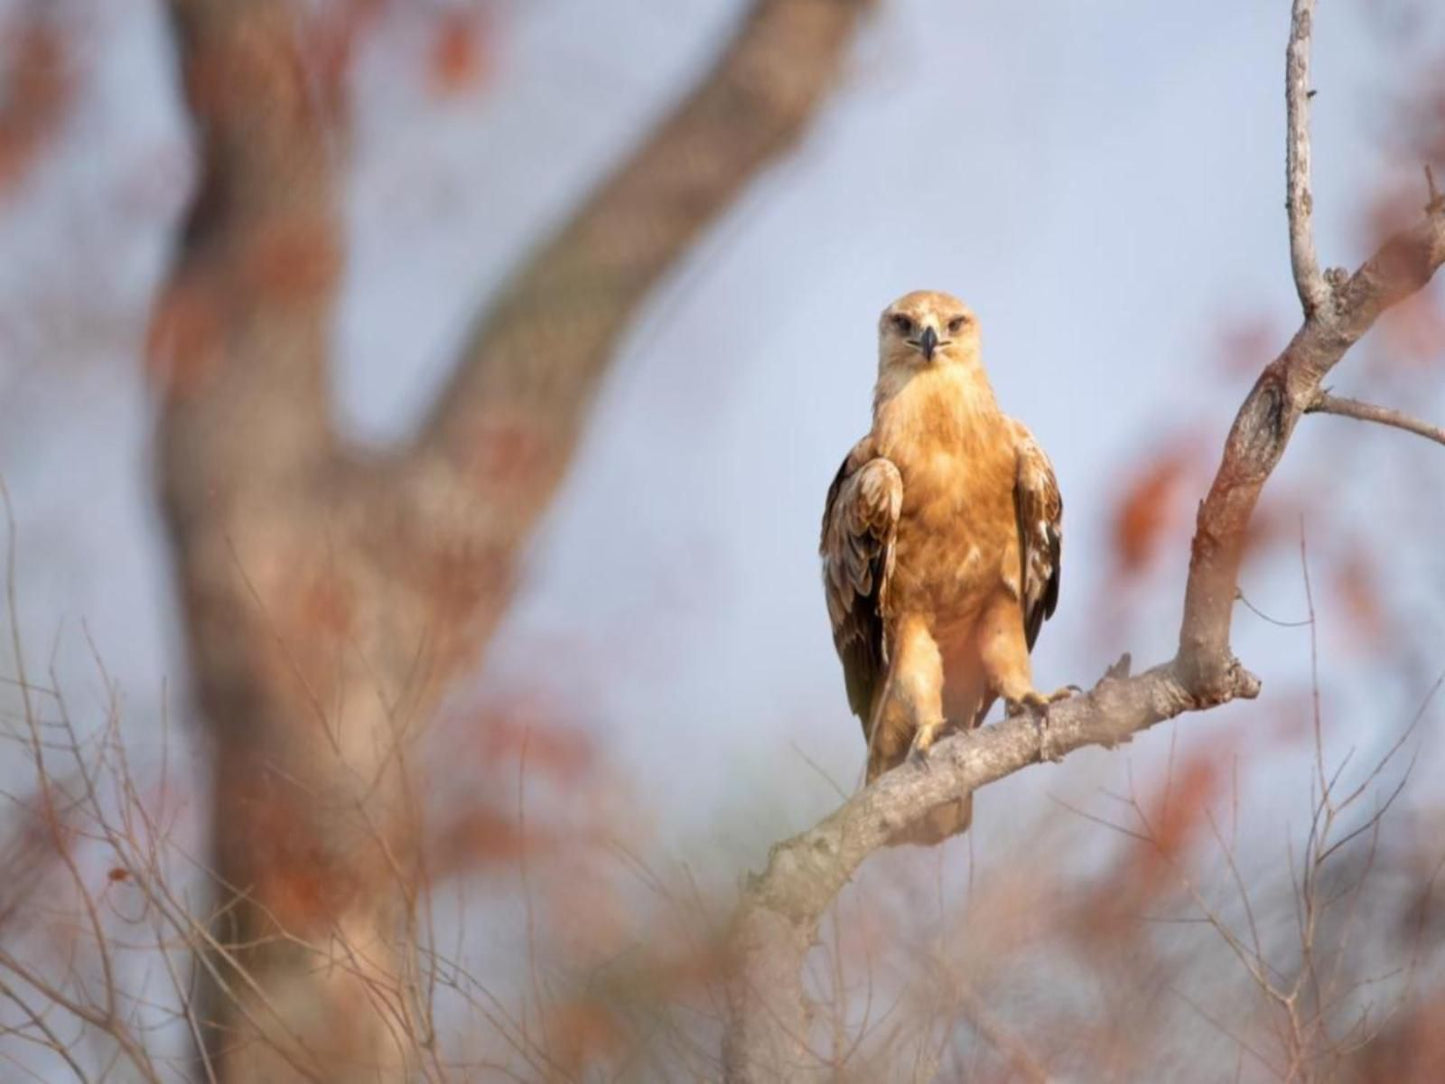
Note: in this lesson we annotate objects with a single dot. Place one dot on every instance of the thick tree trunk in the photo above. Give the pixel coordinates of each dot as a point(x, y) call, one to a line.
point(329, 598)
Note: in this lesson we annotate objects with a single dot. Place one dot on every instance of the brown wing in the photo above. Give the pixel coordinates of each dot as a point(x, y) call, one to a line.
point(860, 520)
point(1040, 511)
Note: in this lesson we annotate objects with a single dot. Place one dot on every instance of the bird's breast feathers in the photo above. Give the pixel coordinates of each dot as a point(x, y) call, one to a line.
point(957, 534)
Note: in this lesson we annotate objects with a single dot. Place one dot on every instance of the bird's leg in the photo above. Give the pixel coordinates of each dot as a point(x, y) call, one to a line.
point(1004, 650)
point(918, 686)
point(923, 737)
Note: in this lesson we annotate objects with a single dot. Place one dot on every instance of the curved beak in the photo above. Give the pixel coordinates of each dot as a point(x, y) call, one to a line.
point(928, 342)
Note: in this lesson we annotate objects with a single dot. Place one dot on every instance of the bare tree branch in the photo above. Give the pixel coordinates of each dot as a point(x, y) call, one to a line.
point(1314, 291)
point(768, 1035)
point(1368, 412)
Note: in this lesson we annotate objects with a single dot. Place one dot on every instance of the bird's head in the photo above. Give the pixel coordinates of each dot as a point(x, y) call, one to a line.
point(926, 328)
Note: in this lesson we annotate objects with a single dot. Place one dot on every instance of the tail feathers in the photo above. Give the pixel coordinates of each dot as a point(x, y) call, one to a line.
point(945, 821)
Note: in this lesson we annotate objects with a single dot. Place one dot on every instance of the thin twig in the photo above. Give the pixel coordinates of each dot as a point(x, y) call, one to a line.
point(1369, 412)
point(1009, 1046)
point(1252, 608)
point(1314, 292)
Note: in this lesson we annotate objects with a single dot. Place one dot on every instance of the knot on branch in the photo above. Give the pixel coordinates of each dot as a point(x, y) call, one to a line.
point(1262, 427)
point(1215, 681)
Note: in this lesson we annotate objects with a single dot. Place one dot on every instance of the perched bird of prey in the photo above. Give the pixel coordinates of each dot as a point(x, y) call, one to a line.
point(941, 541)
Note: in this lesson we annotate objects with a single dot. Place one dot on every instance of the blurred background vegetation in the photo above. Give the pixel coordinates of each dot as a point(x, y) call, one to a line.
point(414, 420)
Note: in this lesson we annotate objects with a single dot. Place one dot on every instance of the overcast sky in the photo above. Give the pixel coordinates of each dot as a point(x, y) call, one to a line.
point(1102, 181)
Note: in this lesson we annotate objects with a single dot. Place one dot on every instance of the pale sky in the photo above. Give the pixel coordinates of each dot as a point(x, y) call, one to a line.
point(1102, 181)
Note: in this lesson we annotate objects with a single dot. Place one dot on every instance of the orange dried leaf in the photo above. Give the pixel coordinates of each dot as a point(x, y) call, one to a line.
point(35, 87)
point(1414, 330)
point(1355, 584)
point(186, 332)
point(551, 748)
point(1149, 507)
point(480, 836)
point(1248, 345)
point(297, 261)
point(457, 57)
point(582, 1034)
point(1183, 808)
point(327, 605)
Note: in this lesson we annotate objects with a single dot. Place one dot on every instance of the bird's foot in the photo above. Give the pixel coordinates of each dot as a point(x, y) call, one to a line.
point(1036, 704)
point(921, 744)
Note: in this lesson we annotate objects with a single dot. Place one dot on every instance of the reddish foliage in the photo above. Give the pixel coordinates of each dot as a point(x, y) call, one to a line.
point(1414, 330)
point(509, 452)
point(564, 752)
point(331, 43)
point(1150, 506)
point(1427, 118)
point(298, 893)
point(478, 836)
point(1354, 583)
point(1148, 865)
point(1276, 521)
point(187, 328)
point(1183, 806)
point(1248, 345)
point(35, 88)
point(582, 1033)
point(1410, 1051)
point(458, 55)
point(492, 752)
point(295, 261)
point(1393, 209)
point(274, 838)
point(327, 605)
point(1289, 716)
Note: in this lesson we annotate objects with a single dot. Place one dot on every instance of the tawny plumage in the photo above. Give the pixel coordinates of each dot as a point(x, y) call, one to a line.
point(941, 541)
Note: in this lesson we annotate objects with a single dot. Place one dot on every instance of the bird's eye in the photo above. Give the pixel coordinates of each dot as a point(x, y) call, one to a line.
point(956, 324)
point(902, 324)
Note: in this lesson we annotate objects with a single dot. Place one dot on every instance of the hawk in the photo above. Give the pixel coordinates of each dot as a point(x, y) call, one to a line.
point(940, 545)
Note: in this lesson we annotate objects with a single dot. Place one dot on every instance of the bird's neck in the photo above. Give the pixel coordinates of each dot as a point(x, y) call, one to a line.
point(955, 394)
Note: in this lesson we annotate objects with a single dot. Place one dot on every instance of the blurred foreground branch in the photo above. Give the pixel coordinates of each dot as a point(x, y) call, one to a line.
point(775, 925)
point(330, 596)
point(529, 370)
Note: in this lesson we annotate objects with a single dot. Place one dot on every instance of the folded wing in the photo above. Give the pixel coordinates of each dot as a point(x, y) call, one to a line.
point(1040, 524)
point(860, 522)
